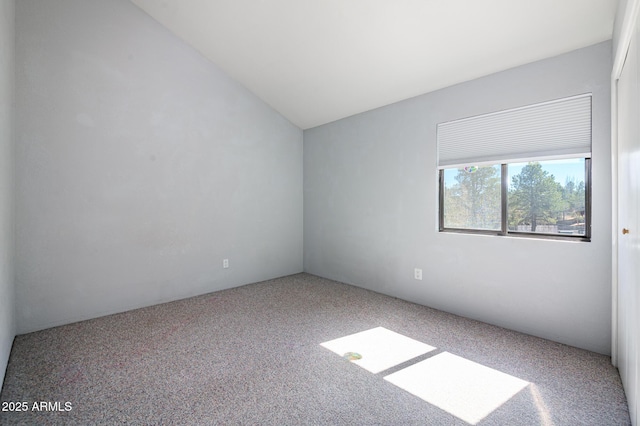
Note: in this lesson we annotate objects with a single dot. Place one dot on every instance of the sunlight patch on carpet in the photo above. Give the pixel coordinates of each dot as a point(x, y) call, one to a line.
point(468, 390)
point(378, 349)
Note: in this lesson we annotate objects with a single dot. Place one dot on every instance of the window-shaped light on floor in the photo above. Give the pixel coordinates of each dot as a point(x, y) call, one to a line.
point(466, 389)
point(377, 349)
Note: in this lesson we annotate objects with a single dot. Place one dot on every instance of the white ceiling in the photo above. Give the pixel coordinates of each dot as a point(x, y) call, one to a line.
point(316, 61)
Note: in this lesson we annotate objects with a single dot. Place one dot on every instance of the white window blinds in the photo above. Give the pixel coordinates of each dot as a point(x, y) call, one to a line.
point(555, 129)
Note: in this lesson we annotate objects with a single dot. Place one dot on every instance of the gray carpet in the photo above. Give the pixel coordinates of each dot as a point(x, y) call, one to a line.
point(252, 355)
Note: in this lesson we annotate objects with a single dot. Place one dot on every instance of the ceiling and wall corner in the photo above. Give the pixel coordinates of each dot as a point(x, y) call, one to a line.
point(319, 61)
point(622, 11)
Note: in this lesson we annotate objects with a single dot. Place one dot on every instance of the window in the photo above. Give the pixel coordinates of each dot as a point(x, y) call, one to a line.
point(472, 198)
point(542, 198)
point(538, 183)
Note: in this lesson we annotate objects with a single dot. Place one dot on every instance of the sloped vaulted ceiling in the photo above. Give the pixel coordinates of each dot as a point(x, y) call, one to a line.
point(316, 61)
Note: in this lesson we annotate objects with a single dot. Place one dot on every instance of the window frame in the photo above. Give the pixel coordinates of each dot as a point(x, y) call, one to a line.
point(504, 209)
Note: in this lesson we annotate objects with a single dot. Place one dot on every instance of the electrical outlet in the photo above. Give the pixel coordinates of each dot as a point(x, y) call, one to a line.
point(417, 274)
point(225, 263)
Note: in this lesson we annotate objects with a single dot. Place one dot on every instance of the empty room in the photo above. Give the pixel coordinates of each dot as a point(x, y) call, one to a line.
point(341, 212)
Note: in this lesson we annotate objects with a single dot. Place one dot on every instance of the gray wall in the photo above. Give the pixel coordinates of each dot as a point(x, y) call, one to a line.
point(140, 166)
point(370, 210)
point(7, 327)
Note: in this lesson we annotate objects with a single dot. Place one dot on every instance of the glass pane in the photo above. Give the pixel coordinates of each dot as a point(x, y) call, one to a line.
point(472, 198)
point(547, 197)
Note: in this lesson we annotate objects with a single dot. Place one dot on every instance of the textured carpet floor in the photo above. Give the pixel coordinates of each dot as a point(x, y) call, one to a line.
point(252, 355)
